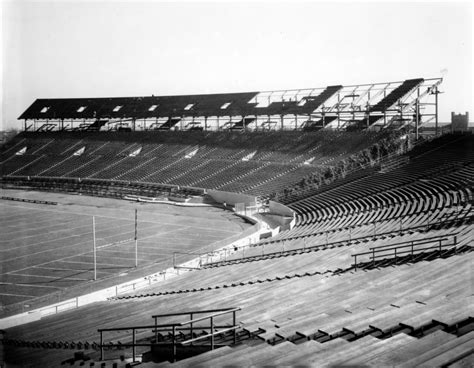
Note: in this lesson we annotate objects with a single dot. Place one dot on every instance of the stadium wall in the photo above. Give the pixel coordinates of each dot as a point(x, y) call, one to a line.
point(282, 214)
point(232, 198)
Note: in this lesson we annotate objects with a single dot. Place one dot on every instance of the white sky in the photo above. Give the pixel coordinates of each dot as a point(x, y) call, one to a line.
point(54, 49)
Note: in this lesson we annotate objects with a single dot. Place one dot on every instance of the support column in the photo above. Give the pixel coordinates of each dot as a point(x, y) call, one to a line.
point(401, 110)
point(353, 110)
point(368, 115)
point(338, 110)
point(417, 114)
point(281, 122)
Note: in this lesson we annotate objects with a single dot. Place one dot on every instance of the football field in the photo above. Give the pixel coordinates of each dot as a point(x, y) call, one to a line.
point(46, 249)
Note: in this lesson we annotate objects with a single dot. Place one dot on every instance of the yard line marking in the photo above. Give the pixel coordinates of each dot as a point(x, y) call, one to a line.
point(31, 236)
point(174, 249)
point(55, 278)
point(26, 237)
point(47, 225)
point(89, 263)
point(127, 259)
point(43, 227)
point(118, 243)
point(62, 269)
point(29, 285)
point(36, 217)
point(100, 231)
point(19, 284)
point(13, 218)
point(105, 252)
point(46, 250)
point(141, 254)
point(72, 271)
point(21, 295)
point(58, 239)
point(49, 261)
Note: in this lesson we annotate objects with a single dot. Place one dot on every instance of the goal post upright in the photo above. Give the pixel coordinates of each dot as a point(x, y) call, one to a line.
point(136, 238)
point(95, 248)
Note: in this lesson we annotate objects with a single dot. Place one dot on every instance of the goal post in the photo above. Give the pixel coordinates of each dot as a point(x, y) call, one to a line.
point(136, 238)
point(95, 247)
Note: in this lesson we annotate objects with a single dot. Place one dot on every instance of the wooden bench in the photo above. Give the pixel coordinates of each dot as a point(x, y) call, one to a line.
point(403, 353)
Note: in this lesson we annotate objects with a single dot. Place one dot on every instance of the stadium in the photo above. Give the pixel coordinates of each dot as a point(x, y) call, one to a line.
point(308, 227)
point(236, 184)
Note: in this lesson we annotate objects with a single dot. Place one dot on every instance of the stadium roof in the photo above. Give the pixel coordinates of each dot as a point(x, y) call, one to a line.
point(225, 104)
point(368, 99)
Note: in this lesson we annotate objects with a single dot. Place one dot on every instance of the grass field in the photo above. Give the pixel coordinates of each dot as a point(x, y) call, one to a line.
point(45, 249)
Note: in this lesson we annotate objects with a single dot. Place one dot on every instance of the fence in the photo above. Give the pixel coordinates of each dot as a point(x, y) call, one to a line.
point(405, 248)
point(211, 331)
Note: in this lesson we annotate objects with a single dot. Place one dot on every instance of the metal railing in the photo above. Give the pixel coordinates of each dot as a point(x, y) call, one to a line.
point(468, 217)
point(175, 329)
point(311, 247)
point(406, 248)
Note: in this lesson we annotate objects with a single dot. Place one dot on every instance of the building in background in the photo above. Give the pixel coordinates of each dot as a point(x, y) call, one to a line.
point(459, 122)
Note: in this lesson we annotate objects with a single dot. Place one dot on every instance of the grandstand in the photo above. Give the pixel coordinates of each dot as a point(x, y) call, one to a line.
point(365, 258)
point(354, 107)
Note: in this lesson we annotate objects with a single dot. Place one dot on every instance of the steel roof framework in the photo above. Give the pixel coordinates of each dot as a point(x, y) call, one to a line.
point(361, 106)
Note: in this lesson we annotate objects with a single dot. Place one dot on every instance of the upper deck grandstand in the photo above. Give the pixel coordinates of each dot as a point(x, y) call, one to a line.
point(353, 107)
point(247, 163)
point(365, 255)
